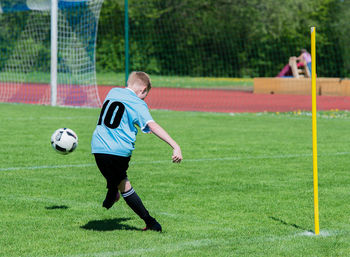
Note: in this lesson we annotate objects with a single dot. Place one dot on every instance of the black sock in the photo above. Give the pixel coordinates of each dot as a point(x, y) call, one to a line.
point(135, 203)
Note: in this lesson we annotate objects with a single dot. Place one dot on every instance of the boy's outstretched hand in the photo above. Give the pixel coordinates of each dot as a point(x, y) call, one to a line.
point(162, 134)
point(177, 155)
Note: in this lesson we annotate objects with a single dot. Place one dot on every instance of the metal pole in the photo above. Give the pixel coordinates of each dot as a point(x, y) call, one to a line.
point(53, 78)
point(126, 27)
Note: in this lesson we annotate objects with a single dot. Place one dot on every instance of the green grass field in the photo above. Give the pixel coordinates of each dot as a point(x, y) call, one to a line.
point(118, 79)
point(244, 188)
point(180, 81)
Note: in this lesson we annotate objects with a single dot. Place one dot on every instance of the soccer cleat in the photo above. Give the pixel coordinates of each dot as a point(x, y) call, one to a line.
point(154, 226)
point(111, 198)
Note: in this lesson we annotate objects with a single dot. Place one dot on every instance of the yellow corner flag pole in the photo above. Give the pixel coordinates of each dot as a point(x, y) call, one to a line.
point(314, 127)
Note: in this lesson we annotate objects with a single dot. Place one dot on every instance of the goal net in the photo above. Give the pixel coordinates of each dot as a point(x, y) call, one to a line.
point(25, 57)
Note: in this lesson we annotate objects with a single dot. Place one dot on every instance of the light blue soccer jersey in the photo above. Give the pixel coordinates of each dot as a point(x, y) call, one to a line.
point(115, 132)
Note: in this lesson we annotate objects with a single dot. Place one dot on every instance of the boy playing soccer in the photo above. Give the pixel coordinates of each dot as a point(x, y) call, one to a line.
point(114, 137)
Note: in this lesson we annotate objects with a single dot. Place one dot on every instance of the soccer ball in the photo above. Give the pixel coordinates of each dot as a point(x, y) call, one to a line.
point(64, 140)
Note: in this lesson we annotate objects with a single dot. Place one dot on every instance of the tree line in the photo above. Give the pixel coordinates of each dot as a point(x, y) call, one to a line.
point(231, 38)
point(226, 38)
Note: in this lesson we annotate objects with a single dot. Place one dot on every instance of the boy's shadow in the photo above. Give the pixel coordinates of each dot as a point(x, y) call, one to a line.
point(108, 225)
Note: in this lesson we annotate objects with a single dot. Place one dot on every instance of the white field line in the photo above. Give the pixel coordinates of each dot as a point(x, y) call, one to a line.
point(165, 249)
point(31, 118)
point(322, 233)
point(47, 167)
point(282, 156)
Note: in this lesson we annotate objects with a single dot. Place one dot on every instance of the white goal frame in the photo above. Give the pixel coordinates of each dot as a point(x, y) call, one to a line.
point(53, 64)
point(50, 56)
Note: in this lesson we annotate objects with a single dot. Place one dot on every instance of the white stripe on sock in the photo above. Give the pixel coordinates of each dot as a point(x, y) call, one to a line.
point(130, 192)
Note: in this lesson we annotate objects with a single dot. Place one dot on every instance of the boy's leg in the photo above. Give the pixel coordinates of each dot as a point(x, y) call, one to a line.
point(113, 168)
point(135, 203)
point(112, 197)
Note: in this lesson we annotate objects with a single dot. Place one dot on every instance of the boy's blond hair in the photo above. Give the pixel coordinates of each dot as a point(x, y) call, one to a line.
point(139, 78)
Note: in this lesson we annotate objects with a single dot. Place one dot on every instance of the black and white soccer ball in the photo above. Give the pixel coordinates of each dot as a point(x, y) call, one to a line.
point(64, 140)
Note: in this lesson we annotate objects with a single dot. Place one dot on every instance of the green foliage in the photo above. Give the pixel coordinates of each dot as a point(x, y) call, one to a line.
point(110, 40)
point(234, 38)
point(342, 28)
point(330, 54)
point(219, 38)
point(10, 31)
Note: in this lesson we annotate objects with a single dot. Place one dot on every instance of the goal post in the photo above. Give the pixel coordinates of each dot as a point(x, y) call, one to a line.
point(53, 70)
point(47, 52)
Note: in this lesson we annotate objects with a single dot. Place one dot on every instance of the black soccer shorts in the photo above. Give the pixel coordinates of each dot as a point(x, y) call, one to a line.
point(113, 168)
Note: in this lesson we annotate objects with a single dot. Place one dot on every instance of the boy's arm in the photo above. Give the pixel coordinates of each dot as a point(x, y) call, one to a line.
point(162, 134)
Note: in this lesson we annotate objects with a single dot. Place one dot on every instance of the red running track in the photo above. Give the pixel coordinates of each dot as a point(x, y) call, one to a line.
point(209, 100)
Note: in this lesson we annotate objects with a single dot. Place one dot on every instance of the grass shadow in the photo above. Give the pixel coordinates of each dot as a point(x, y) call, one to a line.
point(54, 207)
point(289, 224)
point(108, 225)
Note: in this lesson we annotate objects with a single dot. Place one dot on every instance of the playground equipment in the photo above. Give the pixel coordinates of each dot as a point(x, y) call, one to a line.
point(295, 69)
